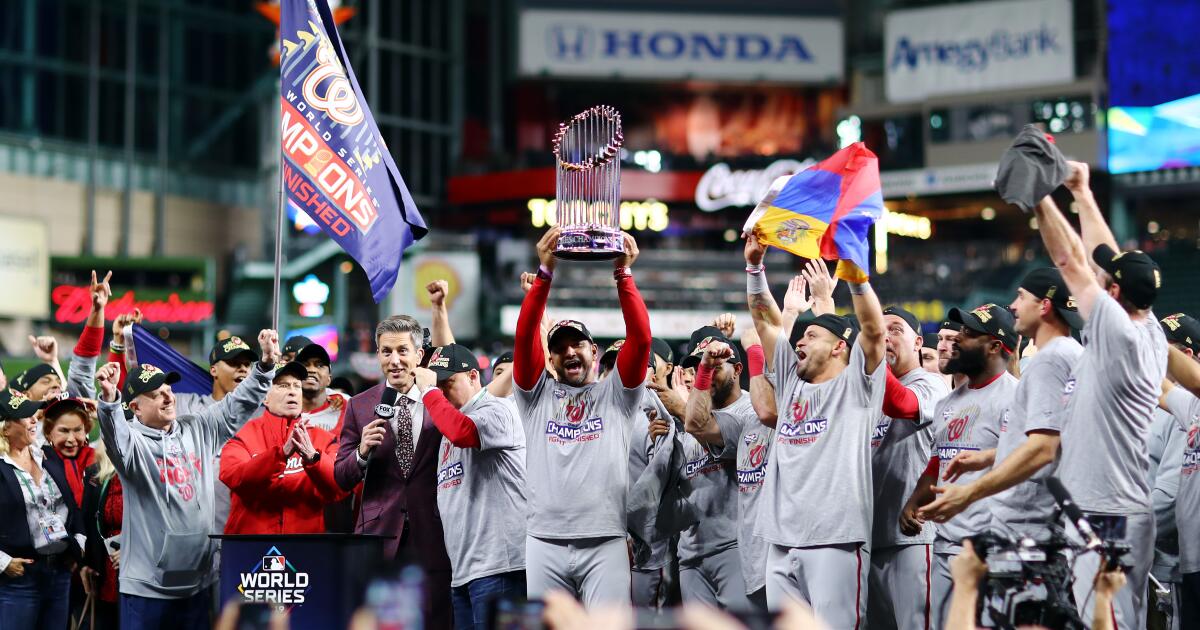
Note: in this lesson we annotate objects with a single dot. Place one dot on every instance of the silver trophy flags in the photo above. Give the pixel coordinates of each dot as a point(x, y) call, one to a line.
point(588, 185)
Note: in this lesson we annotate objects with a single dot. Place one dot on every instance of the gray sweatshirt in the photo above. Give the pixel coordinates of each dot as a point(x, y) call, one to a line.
point(168, 480)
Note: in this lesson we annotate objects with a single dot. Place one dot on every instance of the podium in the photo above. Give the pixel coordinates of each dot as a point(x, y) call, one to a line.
point(320, 579)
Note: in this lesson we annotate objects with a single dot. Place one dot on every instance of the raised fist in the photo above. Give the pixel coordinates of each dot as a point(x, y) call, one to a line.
point(268, 341)
point(108, 375)
point(437, 292)
point(45, 348)
point(716, 353)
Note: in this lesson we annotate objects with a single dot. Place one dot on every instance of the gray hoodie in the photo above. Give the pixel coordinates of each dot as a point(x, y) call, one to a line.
point(168, 479)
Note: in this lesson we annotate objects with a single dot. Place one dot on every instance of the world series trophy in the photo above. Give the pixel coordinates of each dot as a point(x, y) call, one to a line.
point(587, 187)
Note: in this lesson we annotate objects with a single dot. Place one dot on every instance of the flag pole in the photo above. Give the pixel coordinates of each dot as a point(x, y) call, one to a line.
point(279, 218)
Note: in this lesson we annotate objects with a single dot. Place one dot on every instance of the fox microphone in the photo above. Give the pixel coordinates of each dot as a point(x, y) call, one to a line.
point(1074, 514)
point(385, 409)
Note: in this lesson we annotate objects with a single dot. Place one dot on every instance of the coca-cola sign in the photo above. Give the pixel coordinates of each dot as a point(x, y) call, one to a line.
point(723, 187)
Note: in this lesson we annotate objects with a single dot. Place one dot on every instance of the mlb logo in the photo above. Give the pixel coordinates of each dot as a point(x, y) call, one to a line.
point(273, 563)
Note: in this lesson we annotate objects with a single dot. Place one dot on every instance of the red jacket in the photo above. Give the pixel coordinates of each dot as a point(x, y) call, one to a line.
point(271, 495)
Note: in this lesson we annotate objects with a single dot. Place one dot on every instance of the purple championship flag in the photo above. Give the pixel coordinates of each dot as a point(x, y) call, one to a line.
point(336, 167)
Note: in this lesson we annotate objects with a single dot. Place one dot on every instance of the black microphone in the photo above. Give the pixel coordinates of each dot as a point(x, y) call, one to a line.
point(385, 410)
point(1074, 514)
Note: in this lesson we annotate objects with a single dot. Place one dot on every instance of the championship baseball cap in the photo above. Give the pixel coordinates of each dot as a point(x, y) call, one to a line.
point(145, 378)
point(313, 351)
point(1136, 273)
point(691, 359)
point(505, 357)
point(841, 327)
point(610, 355)
point(14, 406)
point(26, 379)
point(1046, 283)
point(59, 406)
point(566, 326)
point(294, 369)
point(295, 344)
point(229, 349)
point(907, 316)
point(452, 359)
point(989, 319)
point(1182, 329)
point(662, 349)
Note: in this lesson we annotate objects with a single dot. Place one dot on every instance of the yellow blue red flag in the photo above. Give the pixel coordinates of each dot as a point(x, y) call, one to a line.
point(825, 211)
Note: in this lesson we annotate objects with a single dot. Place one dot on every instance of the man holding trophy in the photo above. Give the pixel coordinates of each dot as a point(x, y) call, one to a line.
point(577, 428)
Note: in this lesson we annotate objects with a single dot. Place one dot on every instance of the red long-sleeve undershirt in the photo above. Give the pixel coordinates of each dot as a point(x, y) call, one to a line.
point(899, 401)
point(454, 424)
point(527, 343)
point(90, 342)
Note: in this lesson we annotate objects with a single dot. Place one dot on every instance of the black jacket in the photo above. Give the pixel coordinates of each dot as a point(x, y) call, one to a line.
point(14, 529)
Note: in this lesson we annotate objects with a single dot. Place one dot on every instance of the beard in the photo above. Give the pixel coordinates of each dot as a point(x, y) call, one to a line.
point(969, 362)
point(722, 391)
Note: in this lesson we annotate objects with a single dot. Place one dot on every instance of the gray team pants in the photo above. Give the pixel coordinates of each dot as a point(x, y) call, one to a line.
point(899, 594)
point(832, 579)
point(594, 570)
point(650, 588)
point(716, 580)
point(940, 585)
point(1129, 604)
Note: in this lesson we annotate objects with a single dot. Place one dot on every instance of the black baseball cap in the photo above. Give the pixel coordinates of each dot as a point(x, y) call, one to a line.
point(567, 326)
point(929, 340)
point(949, 325)
point(1046, 283)
point(690, 359)
point(907, 316)
point(1182, 329)
point(662, 349)
point(296, 343)
point(989, 319)
point(452, 359)
point(26, 379)
point(1136, 273)
point(342, 383)
point(505, 357)
point(229, 349)
point(610, 355)
point(15, 406)
point(313, 351)
point(145, 378)
point(842, 327)
point(59, 406)
point(294, 369)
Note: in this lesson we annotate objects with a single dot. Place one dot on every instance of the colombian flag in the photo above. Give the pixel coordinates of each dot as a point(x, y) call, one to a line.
point(825, 211)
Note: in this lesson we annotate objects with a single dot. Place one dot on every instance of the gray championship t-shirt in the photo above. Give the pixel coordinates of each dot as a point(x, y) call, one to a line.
point(899, 452)
point(1107, 405)
point(577, 457)
point(1166, 444)
point(1037, 405)
point(1186, 409)
point(481, 493)
point(714, 493)
point(818, 486)
point(969, 420)
point(748, 440)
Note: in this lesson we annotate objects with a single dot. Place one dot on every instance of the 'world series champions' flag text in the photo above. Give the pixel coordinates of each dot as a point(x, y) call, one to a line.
point(336, 166)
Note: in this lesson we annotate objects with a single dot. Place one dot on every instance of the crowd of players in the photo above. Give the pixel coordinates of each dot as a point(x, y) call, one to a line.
point(850, 475)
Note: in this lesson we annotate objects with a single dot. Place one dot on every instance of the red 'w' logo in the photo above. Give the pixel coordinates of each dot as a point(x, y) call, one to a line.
point(956, 428)
point(799, 411)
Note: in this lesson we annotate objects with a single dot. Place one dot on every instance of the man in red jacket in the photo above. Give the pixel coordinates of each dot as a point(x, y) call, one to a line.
point(278, 467)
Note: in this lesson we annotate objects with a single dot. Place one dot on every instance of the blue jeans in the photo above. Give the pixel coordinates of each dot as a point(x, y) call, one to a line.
point(471, 599)
point(39, 599)
point(149, 613)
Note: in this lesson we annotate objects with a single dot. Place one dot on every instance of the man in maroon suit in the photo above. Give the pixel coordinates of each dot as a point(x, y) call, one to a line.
point(389, 443)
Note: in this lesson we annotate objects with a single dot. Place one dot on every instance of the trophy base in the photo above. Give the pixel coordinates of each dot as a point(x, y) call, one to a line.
point(589, 245)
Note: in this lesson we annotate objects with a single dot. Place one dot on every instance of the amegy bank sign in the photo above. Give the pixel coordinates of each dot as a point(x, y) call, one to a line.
point(637, 45)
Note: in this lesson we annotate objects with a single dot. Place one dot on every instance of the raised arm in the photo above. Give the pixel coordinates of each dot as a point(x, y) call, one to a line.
point(528, 349)
point(440, 332)
point(114, 428)
point(1184, 370)
point(81, 376)
point(235, 410)
point(699, 419)
point(1067, 251)
point(762, 394)
point(795, 302)
point(1092, 226)
point(634, 356)
point(870, 319)
point(768, 321)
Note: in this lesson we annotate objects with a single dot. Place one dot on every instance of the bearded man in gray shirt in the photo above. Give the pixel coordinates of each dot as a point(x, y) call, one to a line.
point(816, 504)
point(1111, 394)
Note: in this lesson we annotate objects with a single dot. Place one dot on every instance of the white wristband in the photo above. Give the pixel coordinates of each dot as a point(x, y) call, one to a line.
point(756, 283)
